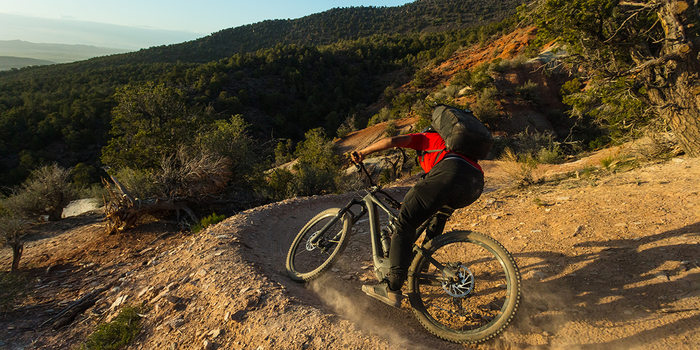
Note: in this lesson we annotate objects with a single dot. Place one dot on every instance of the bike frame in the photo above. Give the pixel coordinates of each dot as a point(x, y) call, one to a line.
point(370, 204)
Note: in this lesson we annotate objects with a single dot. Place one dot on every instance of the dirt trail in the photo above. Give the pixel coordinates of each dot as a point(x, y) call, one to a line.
point(609, 261)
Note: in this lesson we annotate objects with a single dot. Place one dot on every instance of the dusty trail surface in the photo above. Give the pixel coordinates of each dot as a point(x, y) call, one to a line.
point(609, 261)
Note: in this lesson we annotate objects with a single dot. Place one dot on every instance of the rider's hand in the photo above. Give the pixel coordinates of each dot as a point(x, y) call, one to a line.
point(356, 157)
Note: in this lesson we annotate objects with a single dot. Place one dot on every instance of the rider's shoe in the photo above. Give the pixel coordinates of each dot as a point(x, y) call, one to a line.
point(382, 293)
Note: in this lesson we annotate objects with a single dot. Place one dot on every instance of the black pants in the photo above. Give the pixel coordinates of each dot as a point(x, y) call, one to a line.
point(451, 184)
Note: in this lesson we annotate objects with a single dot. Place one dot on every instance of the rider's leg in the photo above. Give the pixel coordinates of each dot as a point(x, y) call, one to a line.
point(437, 223)
point(453, 183)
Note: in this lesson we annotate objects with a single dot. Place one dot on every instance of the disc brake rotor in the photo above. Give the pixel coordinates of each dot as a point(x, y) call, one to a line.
point(462, 285)
point(310, 246)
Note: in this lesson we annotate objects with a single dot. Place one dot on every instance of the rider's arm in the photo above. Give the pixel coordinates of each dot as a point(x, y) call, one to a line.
point(386, 143)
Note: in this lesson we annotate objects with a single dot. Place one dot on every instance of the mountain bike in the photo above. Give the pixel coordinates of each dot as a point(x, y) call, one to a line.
point(463, 286)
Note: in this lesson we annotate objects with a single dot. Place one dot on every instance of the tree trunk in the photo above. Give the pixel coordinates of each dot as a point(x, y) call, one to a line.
point(680, 108)
point(677, 91)
point(17, 249)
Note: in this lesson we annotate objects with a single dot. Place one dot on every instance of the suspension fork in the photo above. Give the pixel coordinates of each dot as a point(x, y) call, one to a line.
point(317, 235)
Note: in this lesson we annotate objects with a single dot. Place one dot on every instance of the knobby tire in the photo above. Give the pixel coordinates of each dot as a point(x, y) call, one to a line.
point(474, 315)
point(306, 262)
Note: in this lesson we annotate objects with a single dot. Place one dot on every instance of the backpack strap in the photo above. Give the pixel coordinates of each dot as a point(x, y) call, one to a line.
point(421, 156)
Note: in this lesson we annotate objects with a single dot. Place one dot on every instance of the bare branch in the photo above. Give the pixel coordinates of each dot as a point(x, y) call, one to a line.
point(644, 5)
point(123, 189)
point(621, 26)
point(650, 63)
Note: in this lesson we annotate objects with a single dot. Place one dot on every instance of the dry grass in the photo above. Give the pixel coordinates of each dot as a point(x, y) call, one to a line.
point(523, 170)
point(194, 176)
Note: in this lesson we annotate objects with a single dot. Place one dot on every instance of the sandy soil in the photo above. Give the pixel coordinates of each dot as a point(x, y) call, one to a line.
point(609, 261)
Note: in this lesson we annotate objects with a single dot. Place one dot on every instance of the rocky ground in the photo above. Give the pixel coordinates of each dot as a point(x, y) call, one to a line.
point(609, 259)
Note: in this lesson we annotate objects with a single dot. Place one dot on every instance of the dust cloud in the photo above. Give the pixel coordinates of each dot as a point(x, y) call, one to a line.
point(366, 313)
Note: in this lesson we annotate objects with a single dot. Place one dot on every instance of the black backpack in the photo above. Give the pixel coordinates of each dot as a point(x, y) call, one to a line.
point(462, 132)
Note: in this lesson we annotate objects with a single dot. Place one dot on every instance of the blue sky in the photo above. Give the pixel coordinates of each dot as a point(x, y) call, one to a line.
point(136, 24)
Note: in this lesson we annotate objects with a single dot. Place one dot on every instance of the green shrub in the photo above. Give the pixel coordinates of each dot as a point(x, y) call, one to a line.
point(94, 191)
point(46, 192)
point(422, 123)
point(317, 168)
point(390, 129)
point(139, 182)
point(149, 122)
point(279, 182)
point(421, 78)
point(83, 175)
point(463, 77)
point(383, 115)
point(385, 177)
point(230, 139)
point(606, 162)
point(480, 78)
point(116, 334)
point(208, 221)
point(310, 180)
point(448, 94)
point(485, 107)
point(529, 91)
point(550, 155)
point(284, 152)
point(348, 126)
point(618, 163)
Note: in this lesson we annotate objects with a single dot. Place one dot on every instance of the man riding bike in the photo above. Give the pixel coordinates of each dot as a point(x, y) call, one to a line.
point(451, 181)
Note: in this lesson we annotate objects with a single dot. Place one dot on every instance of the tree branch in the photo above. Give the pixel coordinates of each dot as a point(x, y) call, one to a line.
point(654, 62)
point(621, 26)
point(643, 5)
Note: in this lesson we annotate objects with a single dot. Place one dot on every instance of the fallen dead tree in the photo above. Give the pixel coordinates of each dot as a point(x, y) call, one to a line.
point(122, 210)
point(185, 181)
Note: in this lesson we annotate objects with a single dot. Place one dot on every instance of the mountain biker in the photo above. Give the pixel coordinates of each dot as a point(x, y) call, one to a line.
point(451, 181)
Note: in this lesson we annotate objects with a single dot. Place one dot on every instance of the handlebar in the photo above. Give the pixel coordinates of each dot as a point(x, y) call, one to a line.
point(374, 188)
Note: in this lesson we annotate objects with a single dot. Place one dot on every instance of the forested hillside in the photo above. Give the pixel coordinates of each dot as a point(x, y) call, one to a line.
point(422, 16)
point(283, 89)
point(63, 113)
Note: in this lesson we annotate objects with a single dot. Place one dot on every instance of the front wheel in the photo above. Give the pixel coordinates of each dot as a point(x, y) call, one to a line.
point(309, 257)
point(475, 294)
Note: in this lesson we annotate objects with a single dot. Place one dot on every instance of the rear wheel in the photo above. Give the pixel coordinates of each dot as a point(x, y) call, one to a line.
point(480, 297)
point(307, 260)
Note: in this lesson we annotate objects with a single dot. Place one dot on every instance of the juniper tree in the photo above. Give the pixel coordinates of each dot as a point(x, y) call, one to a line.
point(640, 60)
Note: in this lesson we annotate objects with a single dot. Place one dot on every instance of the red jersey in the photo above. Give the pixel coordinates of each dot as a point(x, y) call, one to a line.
point(431, 141)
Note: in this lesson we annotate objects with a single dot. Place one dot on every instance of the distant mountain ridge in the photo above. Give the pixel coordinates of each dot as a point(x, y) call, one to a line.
point(9, 62)
point(333, 26)
point(50, 53)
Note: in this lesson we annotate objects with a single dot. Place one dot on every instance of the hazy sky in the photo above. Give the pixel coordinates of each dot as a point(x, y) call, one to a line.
point(137, 24)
